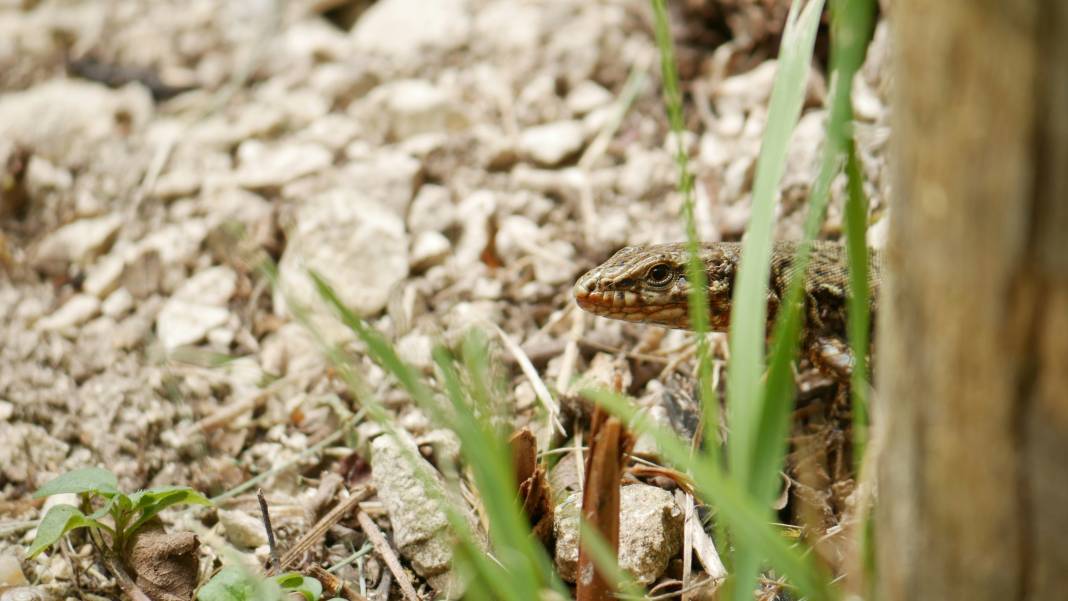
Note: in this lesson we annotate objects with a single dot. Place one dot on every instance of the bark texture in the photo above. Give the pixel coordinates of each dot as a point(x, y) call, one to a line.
point(973, 347)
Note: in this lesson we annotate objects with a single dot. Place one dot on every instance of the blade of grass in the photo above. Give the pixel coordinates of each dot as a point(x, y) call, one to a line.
point(695, 271)
point(745, 394)
point(749, 304)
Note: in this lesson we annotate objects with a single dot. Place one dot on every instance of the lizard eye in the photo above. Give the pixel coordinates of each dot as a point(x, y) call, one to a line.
point(659, 274)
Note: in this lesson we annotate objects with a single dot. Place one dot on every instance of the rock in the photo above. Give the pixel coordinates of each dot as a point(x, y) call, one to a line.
point(389, 178)
point(431, 210)
point(212, 286)
point(420, 527)
point(356, 244)
point(177, 184)
point(182, 322)
point(477, 210)
point(429, 249)
point(273, 167)
point(197, 308)
point(117, 303)
point(416, 348)
point(512, 28)
point(415, 106)
point(104, 276)
point(77, 242)
point(76, 311)
point(42, 175)
point(176, 243)
point(10, 571)
point(586, 97)
point(64, 120)
point(650, 532)
point(242, 529)
point(406, 31)
point(519, 237)
point(333, 131)
point(552, 143)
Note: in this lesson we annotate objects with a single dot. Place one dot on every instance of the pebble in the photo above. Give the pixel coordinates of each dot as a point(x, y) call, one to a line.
point(76, 311)
point(78, 242)
point(550, 144)
point(405, 31)
point(650, 532)
point(421, 529)
point(359, 246)
point(182, 322)
point(586, 97)
point(272, 167)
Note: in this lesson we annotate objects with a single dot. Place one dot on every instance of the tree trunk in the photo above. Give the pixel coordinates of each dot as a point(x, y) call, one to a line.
point(973, 373)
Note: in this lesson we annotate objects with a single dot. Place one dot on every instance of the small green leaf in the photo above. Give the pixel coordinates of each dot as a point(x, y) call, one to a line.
point(154, 500)
point(59, 520)
point(166, 496)
point(237, 584)
point(311, 588)
point(88, 479)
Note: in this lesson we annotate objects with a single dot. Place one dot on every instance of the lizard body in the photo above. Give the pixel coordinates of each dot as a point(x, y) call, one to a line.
point(648, 284)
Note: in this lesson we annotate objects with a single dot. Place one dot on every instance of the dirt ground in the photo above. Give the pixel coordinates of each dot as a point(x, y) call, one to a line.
point(443, 164)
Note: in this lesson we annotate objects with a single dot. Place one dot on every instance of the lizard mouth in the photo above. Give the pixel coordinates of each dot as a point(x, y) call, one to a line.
point(628, 306)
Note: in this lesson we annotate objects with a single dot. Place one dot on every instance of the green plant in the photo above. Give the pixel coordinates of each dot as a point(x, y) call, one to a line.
point(238, 584)
point(759, 403)
point(127, 512)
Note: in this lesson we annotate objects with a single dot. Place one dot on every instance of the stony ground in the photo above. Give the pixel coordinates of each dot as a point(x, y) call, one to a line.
point(455, 169)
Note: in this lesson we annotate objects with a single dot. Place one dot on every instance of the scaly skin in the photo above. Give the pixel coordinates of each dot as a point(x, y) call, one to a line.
point(648, 284)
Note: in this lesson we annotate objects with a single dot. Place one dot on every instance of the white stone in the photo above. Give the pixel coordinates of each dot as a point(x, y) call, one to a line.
point(509, 27)
point(356, 244)
point(176, 184)
point(42, 175)
point(270, 167)
point(79, 309)
point(79, 241)
point(117, 303)
point(412, 491)
point(477, 210)
point(181, 322)
point(650, 532)
point(430, 248)
point(103, 277)
point(431, 210)
point(403, 30)
point(586, 97)
point(63, 120)
point(416, 106)
point(176, 243)
point(242, 529)
point(389, 178)
point(551, 143)
point(212, 286)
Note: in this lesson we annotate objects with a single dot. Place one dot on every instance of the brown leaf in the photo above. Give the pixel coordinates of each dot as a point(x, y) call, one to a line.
point(165, 566)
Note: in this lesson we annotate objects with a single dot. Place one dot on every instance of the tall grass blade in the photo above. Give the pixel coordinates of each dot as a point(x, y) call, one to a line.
point(745, 395)
point(749, 304)
point(695, 272)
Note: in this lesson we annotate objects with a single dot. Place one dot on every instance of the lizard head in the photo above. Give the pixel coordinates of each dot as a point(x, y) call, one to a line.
point(648, 284)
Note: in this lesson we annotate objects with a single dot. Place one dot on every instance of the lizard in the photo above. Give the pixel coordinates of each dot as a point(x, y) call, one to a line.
point(648, 284)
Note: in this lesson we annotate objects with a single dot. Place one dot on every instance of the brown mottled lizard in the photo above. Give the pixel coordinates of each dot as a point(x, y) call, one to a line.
point(648, 284)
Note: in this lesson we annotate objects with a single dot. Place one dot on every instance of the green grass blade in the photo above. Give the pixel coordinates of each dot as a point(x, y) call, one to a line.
point(749, 306)
point(745, 394)
point(695, 272)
